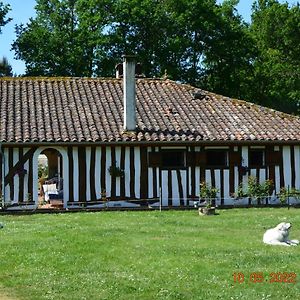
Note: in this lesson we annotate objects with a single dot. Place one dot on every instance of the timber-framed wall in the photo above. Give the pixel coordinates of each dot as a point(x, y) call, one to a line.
point(87, 178)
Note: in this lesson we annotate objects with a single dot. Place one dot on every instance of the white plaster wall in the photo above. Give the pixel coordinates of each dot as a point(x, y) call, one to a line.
point(16, 177)
point(137, 167)
point(98, 187)
point(76, 174)
point(127, 172)
point(287, 166)
point(150, 183)
point(118, 164)
point(107, 175)
point(297, 167)
point(175, 189)
point(164, 187)
point(88, 171)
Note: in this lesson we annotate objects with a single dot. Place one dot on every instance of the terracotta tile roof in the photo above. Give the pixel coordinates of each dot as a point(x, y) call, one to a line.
point(91, 110)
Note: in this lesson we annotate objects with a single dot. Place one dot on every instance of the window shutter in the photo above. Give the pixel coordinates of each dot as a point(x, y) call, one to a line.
point(154, 159)
point(235, 159)
point(190, 158)
point(196, 158)
point(273, 157)
point(200, 158)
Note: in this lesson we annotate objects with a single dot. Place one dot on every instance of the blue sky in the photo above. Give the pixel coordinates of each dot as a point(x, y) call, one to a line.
point(22, 10)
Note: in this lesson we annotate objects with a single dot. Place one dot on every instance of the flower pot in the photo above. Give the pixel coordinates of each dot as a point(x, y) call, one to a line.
point(206, 211)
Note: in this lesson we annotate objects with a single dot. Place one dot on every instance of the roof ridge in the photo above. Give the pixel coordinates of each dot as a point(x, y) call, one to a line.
point(53, 78)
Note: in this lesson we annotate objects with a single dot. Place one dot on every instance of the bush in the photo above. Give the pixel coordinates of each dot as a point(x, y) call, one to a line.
point(255, 190)
point(208, 193)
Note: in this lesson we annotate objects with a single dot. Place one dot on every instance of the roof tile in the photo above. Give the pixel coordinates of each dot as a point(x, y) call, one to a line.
point(91, 110)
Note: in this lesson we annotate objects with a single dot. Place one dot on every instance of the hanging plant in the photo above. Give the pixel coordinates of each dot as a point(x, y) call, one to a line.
point(244, 170)
point(116, 171)
point(20, 172)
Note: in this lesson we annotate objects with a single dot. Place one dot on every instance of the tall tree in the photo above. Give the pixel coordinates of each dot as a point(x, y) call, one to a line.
point(4, 9)
point(229, 55)
point(143, 27)
point(187, 38)
point(5, 68)
point(85, 37)
point(276, 29)
point(63, 37)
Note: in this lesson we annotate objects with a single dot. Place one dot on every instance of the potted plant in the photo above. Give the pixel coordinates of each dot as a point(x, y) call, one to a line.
point(208, 193)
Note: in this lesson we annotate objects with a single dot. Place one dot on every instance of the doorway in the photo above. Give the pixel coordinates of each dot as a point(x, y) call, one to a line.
point(50, 170)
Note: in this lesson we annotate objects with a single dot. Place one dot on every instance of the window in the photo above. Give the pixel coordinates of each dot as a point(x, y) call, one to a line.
point(256, 158)
point(217, 158)
point(173, 159)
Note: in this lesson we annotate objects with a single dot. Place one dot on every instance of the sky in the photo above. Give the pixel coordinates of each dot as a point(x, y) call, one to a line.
point(22, 10)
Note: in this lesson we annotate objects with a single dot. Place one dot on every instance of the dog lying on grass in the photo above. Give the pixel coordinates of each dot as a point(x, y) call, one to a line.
point(279, 235)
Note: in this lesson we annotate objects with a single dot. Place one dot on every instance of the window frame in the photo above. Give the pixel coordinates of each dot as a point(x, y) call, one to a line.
point(177, 167)
point(255, 165)
point(217, 166)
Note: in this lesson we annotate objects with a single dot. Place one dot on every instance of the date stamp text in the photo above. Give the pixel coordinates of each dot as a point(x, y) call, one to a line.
point(260, 277)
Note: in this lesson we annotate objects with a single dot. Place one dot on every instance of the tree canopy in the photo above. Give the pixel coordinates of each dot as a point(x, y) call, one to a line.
point(195, 41)
point(276, 29)
point(4, 9)
point(5, 68)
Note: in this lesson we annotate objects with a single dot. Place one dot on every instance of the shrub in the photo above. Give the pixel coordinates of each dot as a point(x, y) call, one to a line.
point(208, 193)
point(255, 190)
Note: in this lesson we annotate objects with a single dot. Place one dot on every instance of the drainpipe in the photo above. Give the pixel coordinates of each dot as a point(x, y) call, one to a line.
point(3, 177)
point(129, 93)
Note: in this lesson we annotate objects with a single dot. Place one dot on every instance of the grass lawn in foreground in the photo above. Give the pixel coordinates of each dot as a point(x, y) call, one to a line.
point(146, 255)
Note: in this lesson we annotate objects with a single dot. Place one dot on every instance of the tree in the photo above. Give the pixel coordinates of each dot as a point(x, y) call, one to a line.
point(190, 39)
point(228, 58)
point(63, 37)
point(4, 9)
point(5, 68)
point(145, 28)
point(276, 29)
point(88, 37)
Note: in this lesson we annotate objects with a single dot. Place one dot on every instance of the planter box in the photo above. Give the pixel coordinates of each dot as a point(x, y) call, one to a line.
point(207, 211)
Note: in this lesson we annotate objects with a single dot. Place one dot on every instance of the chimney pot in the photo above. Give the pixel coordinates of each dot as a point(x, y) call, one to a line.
point(119, 71)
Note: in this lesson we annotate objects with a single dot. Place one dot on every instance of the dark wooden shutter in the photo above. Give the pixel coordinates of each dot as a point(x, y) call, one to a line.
point(190, 158)
point(196, 158)
point(273, 157)
point(200, 159)
point(235, 159)
point(154, 159)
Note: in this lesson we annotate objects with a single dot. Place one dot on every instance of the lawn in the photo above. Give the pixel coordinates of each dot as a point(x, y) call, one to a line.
point(147, 255)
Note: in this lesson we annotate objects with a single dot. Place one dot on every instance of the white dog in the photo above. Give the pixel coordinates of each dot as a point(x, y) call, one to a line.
point(279, 235)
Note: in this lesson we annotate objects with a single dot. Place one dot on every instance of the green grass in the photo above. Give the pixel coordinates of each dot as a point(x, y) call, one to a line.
point(146, 255)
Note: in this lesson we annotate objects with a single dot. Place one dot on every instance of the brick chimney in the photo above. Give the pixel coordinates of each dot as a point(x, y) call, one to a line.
point(129, 93)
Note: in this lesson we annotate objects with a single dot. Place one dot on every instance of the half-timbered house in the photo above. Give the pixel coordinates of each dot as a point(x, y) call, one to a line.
point(132, 141)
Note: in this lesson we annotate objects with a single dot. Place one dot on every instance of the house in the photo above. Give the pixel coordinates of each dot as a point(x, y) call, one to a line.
point(134, 141)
